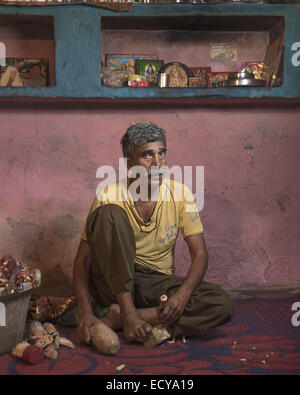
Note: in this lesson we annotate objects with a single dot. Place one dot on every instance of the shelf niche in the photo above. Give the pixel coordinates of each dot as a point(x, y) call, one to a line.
point(188, 39)
point(29, 37)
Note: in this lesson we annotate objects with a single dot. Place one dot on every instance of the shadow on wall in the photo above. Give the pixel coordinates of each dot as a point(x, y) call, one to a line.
point(47, 247)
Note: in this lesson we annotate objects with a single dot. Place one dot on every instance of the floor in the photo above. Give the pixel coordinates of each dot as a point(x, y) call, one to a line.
point(261, 339)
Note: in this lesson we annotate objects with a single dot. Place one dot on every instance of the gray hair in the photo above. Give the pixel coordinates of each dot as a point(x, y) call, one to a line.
point(140, 134)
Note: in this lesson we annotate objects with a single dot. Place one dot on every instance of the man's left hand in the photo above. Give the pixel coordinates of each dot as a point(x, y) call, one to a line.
point(174, 307)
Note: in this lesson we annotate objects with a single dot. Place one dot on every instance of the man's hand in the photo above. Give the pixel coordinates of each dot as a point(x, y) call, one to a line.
point(136, 329)
point(177, 302)
point(83, 327)
point(174, 307)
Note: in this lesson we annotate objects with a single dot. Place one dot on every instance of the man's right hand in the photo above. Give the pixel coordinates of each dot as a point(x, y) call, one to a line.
point(83, 327)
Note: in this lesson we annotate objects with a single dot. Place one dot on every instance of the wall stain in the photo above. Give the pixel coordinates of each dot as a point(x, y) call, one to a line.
point(10, 165)
point(283, 137)
point(281, 205)
point(261, 129)
point(38, 246)
point(182, 133)
point(283, 201)
point(29, 238)
point(65, 227)
point(56, 143)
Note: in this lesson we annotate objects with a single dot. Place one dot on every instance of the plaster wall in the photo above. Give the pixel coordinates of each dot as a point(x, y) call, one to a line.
point(190, 48)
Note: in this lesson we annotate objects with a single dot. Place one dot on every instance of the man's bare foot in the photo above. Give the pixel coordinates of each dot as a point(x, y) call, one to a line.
point(150, 315)
point(112, 318)
point(136, 329)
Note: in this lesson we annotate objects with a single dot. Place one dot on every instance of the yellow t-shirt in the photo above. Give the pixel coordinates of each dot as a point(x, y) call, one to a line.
point(175, 209)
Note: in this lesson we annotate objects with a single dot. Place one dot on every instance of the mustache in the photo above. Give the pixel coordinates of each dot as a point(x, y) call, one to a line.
point(156, 171)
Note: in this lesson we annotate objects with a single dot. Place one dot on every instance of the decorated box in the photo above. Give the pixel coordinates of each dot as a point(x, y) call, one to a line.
point(215, 78)
point(198, 82)
point(257, 68)
point(138, 84)
point(125, 62)
point(201, 72)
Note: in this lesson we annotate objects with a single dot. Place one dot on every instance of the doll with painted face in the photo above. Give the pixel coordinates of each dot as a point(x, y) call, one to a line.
point(45, 337)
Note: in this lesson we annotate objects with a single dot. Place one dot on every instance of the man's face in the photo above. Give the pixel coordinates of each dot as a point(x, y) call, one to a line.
point(150, 155)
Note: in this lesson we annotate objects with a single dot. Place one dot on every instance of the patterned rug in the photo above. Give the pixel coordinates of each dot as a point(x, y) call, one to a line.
point(259, 340)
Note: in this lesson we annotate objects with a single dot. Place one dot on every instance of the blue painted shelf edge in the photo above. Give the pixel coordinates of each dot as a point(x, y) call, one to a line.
point(77, 26)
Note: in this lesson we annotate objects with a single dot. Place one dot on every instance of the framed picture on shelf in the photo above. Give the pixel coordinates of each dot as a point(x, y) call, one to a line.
point(200, 70)
point(178, 74)
point(149, 68)
point(223, 52)
point(24, 72)
point(198, 82)
point(125, 62)
point(202, 73)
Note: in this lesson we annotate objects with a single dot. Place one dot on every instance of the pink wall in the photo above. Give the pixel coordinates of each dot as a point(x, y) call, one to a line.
point(48, 160)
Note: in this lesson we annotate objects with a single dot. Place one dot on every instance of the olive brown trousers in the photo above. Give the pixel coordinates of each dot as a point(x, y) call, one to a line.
point(112, 243)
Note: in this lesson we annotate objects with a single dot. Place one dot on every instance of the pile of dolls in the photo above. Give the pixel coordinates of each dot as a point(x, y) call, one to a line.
point(42, 340)
point(15, 276)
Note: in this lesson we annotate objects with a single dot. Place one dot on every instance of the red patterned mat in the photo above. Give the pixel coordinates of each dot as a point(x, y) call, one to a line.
point(259, 340)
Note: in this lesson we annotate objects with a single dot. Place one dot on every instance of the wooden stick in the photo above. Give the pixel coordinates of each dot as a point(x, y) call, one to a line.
point(159, 333)
point(162, 302)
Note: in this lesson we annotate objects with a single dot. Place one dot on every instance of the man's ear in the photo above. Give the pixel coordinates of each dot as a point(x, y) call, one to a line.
point(129, 162)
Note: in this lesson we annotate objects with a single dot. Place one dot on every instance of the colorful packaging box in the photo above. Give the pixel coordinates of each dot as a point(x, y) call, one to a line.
point(257, 68)
point(215, 78)
point(198, 82)
point(138, 84)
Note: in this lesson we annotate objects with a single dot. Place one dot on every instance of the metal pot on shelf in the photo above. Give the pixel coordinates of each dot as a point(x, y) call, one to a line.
point(242, 79)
